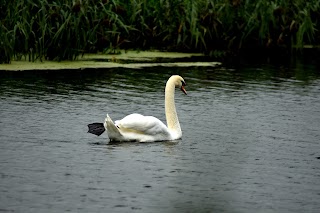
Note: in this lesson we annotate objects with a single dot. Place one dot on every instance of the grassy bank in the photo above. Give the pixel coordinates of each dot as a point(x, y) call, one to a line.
point(63, 30)
point(127, 59)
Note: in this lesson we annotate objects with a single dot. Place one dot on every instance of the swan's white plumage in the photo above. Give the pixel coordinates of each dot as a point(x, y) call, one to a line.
point(137, 127)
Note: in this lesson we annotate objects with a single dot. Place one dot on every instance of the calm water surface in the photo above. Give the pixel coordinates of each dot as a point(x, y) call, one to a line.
point(251, 141)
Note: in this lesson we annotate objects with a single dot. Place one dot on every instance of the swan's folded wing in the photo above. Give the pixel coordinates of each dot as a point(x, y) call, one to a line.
point(137, 123)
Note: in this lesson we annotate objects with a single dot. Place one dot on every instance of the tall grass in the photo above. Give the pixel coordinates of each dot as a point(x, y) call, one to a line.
point(63, 30)
point(57, 30)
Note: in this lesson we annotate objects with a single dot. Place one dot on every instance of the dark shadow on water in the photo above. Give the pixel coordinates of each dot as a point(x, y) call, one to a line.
point(98, 143)
point(119, 144)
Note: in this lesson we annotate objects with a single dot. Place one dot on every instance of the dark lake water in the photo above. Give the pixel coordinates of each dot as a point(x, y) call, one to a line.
point(251, 141)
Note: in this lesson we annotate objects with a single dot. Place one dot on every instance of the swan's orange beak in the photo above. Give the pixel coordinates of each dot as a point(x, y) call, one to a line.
point(183, 90)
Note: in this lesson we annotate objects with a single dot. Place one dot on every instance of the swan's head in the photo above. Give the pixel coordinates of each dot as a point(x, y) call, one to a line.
point(179, 82)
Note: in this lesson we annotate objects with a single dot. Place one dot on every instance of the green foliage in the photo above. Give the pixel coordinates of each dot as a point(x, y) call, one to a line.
point(63, 30)
point(58, 30)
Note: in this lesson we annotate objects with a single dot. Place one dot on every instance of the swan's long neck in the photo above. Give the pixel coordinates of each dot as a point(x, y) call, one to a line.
point(170, 108)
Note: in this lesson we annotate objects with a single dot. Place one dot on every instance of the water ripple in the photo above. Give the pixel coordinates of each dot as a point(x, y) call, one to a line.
point(250, 141)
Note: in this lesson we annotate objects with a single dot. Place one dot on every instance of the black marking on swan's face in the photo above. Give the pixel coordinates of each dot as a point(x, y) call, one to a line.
point(183, 84)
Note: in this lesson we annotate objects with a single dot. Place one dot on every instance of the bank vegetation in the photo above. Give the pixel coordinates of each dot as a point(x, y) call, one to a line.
point(64, 30)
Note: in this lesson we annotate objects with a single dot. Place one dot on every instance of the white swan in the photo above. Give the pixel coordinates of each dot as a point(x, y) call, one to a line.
point(136, 127)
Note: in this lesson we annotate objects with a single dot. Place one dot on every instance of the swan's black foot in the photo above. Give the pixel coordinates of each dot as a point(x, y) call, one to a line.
point(96, 128)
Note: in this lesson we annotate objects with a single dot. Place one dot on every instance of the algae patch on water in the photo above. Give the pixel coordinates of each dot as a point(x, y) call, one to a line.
point(128, 59)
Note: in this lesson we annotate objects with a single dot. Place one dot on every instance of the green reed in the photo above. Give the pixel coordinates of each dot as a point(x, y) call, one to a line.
point(63, 30)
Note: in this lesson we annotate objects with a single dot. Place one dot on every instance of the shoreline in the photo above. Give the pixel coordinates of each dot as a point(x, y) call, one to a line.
point(126, 59)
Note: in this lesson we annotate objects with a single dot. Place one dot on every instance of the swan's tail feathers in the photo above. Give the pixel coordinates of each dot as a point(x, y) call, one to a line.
point(96, 128)
point(112, 129)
